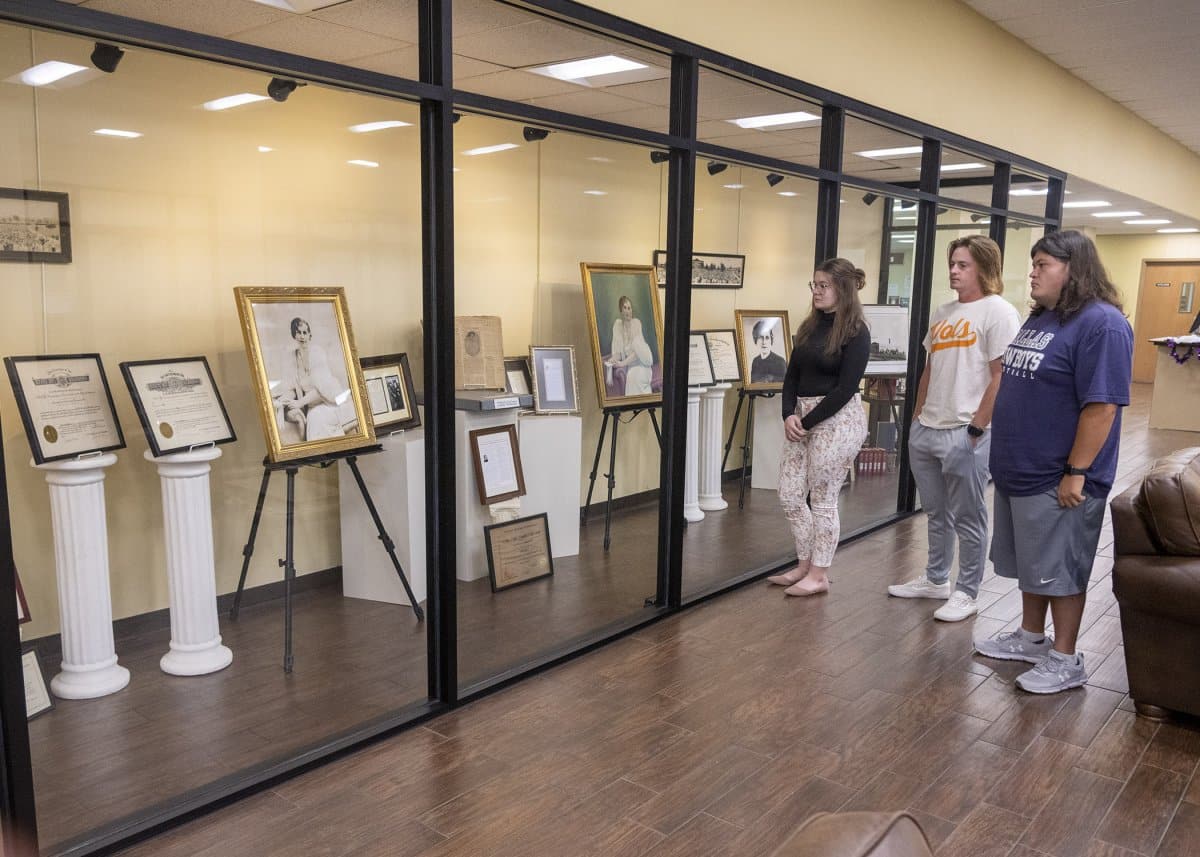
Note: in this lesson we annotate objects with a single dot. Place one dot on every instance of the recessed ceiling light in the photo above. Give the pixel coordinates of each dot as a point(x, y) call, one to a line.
point(1147, 221)
point(48, 72)
point(1178, 229)
point(360, 163)
point(1029, 191)
point(1116, 214)
point(367, 127)
point(115, 132)
point(234, 101)
point(954, 168)
point(487, 150)
point(773, 119)
point(577, 70)
point(1087, 203)
point(890, 153)
point(788, 193)
point(600, 159)
point(596, 192)
point(733, 186)
point(265, 149)
point(299, 6)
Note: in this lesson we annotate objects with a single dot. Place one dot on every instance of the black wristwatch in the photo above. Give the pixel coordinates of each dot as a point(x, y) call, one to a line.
point(974, 430)
point(1068, 470)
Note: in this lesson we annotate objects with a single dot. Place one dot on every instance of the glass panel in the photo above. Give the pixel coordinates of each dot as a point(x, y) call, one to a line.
point(966, 176)
point(1027, 193)
point(743, 115)
point(1017, 246)
point(880, 153)
point(164, 226)
point(525, 218)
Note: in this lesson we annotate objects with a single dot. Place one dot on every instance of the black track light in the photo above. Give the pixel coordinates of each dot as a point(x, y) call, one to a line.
point(869, 198)
point(774, 179)
point(659, 157)
point(715, 167)
point(454, 117)
point(107, 57)
point(976, 218)
point(280, 88)
point(532, 135)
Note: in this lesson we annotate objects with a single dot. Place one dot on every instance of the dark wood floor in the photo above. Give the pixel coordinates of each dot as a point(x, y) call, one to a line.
point(717, 731)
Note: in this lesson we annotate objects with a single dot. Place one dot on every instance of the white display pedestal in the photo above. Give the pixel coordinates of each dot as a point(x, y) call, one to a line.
point(396, 479)
point(551, 456)
point(691, 495)
point(89, 659)
point(712, 437)
point(191, 573)
point(768, 443)
point(471, 516)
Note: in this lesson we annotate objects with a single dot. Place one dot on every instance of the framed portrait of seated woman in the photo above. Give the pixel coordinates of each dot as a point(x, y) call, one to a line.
point(304, 370)
point(626, 330)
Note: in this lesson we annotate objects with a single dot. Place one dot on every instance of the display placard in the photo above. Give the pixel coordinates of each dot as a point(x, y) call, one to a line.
point(37, 692)
point(390, 393)
point(178, 403)
point(518, 551)
point(723, 354)
point(497, 457)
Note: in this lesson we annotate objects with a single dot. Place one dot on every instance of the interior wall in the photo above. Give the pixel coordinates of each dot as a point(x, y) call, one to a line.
point(1123, 256)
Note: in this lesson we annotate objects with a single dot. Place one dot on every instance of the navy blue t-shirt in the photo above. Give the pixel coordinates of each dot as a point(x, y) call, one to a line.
point(1051, 371)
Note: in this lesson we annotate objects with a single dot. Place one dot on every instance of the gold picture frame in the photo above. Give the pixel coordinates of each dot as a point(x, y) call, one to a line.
point(761, 372)
point(304, 370)
point(636, 377)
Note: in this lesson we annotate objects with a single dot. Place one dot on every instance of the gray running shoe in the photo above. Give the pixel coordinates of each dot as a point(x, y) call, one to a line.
point(1012, 646)
point(1054, 673)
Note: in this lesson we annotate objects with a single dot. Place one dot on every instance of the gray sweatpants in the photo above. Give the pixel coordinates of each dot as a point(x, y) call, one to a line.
point(951, 477)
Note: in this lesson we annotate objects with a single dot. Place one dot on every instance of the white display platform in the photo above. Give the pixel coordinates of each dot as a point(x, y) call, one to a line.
point(77, 511)
point(768, 443)
point(551, 456)
point(471, 516)
point(712, 440)
point(191, 573)
point(396, 479)
point(691, 485)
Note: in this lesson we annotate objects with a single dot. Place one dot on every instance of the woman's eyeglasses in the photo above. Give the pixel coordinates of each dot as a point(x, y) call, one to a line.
point(820, 287)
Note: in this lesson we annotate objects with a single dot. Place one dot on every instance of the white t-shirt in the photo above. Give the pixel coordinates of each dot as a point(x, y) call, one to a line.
point(962, 339)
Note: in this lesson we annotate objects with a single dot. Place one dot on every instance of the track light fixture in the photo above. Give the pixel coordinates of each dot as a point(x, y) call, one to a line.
point(774, 179)
point(532, 135)
point(107, 57)
point(975, 218)
point(659, 157)
point(715, 167)
point(280, 88)
point(454, 117)
point(869, 198)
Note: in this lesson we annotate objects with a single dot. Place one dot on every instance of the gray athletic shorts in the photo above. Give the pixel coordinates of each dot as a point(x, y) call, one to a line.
point(1049, 549)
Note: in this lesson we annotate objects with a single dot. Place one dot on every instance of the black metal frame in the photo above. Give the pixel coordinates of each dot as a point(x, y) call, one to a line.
point(438, 101)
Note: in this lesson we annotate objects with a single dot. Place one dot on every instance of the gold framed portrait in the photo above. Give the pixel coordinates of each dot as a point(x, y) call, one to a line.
point(626, 329)
point(764, 344)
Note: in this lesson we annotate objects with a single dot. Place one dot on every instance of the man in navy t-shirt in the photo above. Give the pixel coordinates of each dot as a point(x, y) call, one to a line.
point(1055, 431)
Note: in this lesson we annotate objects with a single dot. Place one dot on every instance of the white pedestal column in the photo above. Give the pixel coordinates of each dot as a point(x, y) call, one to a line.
point(691, 504)
point(551, 453)
point(712, 437)
point(191, 573)
point(89, 661)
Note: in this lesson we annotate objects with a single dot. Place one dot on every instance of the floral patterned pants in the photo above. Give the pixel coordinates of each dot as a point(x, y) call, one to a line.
point(812, 472)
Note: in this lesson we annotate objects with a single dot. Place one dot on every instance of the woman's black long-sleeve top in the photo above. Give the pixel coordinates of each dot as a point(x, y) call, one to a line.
point(812, 372)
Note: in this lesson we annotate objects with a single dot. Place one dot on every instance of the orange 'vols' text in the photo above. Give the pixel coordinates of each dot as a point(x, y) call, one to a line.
point(958, 335)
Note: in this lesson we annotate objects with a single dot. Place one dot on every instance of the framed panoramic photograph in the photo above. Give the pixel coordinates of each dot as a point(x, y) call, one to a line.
point(889, 339)
point(625, 327)
point(498, 473)
point(65, 404)
point(700, 368)
point(518, 551)
point(723, 354)
point(390, 393)
point(764, 342)
point(709, 270)
point(555, 383)
point(37, 690)
point(518, 379)
point(177, 403)
point(35, 226)
point(304, 370)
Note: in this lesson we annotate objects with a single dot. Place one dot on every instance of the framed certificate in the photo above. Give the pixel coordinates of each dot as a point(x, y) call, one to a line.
point(178, 403)
point(700, 370)
point(65, 404)
point(37, 692)
point(497, 463)
point(390, 393)
point(555, 383)
point(723, 354)
point(518, 551)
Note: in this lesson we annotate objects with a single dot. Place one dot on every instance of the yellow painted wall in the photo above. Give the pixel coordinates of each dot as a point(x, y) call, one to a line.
point(1123, 256)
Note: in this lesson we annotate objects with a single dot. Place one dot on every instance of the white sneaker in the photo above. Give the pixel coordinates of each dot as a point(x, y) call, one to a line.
point(920, 587)
point(959, 607)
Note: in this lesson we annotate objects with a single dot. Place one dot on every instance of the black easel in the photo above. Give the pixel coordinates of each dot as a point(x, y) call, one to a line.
point(287, 563)
point(748, 439)
point(615, 415)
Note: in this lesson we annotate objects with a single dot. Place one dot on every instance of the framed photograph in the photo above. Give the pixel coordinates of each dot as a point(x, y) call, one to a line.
point(889, 339)
point(390, 393)
point(625, 326)
point(723, 354)
point(23, 614)
point(555, 383)
point(700, 369)
point(518, 551)
point(478, 353)
point(709, 270)
point(498, 473)
point(178, 403)
point(65, 404)
point(35, 226)
point(764, 342)
point(518, 379)
point(37, 690)
point(304, 370)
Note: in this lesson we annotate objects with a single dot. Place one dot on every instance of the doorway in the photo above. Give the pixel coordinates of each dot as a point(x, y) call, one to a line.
point(1167, 303)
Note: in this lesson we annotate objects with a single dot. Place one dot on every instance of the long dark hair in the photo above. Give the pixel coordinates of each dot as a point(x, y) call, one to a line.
point(848, 315)
point(1087, 279)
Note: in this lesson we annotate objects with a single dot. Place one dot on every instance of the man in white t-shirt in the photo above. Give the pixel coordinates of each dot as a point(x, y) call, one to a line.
point(949, 441)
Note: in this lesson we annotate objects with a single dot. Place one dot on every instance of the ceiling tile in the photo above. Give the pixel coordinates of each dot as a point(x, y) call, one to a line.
point(318, 39)
point(213, 17)
point(478, 16)
point(592, 102)
point(394, 19)
point(513, 85)
point(532, 43)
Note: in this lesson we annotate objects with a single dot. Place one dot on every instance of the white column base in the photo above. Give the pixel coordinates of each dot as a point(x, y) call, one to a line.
point(712, 437)
point(210, 658)
point(691, 505)
point(90, 681)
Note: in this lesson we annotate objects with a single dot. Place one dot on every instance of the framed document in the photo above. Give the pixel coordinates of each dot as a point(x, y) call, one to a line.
point(478, 353)
point(35, 226)
point(722, 353)
point(497, 463)
point(700, 370)
point(390, 392)
point(37, 692)
point(65, 404)
point(304, 370)
point(555, 384)
point(625, 326)
point(178, 403)
point(764, 347)
point(518, 551)
point(517, 376)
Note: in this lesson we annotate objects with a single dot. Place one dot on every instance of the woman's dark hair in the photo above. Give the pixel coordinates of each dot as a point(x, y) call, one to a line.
point(848, 320)
point(296, 322)
point(1087, 280)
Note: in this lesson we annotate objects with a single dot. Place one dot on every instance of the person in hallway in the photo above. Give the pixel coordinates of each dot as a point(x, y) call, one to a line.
point(767, 366)
point(949, 441)
point(823, 421)
point(1055, 431)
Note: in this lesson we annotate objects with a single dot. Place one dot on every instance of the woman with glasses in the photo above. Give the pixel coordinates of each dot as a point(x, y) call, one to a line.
point(823, 421)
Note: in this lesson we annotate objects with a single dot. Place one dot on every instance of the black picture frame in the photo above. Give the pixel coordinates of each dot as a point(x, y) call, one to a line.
point(520, 364)
point(41, 700)
point(709, 270)
point(534, 527)
point(152, 431)
point(21, 232)
point(376, 368)
point(23, 614)
point(723, 340)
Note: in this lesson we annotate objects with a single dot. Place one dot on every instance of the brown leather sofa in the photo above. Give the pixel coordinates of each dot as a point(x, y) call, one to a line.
point(857, 834)
point(1156, 578)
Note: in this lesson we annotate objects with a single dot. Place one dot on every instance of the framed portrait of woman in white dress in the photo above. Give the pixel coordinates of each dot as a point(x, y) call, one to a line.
point(625, 325)
point(304, 370)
